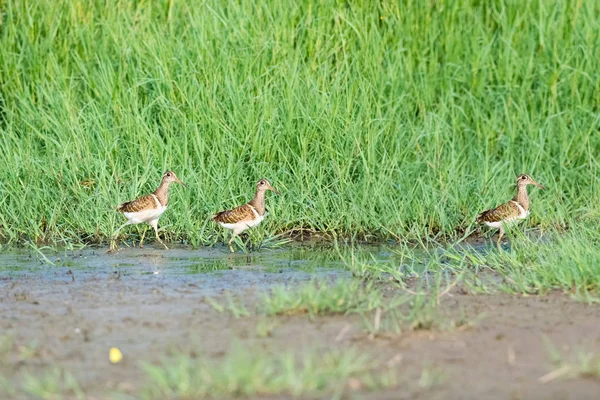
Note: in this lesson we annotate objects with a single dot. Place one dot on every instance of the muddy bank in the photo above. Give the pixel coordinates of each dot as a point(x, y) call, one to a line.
point(151, 304)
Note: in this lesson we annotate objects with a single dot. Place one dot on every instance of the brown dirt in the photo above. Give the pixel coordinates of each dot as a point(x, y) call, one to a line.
point(500, 354)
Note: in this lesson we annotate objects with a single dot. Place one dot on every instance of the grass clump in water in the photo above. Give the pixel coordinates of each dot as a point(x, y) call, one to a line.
point(563, 261)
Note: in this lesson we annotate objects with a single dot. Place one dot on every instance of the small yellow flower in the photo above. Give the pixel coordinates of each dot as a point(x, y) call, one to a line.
point(115, 355)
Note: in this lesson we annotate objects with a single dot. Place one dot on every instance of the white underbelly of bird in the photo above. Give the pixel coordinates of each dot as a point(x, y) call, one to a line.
point(145, 215)
point(241, 226)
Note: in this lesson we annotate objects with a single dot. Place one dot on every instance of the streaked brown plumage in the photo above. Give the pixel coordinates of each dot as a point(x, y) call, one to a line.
point(511, 211)
point(147, 208)
point(503, 211)
point(142, 203)
point(238, 214)
point(246, 216)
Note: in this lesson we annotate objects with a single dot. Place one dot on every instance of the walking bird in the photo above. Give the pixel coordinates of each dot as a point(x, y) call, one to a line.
point(247, 216)
point(511, 211)
point(148, 208)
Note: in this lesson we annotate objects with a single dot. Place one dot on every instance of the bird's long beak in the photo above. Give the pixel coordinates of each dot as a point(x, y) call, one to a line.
point(273, 189)
point(179, 181)
point(538, 185)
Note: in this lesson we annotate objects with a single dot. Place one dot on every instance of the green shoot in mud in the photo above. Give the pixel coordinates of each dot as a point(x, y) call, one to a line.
point(234, 305)
point(265, 327)
point(576, 364)
point(381, 313)
point(392, 313)
point(431, 377)
point(399, 120)
point(420, 313)
point(53, 383)
point(243, 373)
point(315, 298)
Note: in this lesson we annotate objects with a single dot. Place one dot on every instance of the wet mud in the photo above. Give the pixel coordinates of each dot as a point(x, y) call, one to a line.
point(65, 310)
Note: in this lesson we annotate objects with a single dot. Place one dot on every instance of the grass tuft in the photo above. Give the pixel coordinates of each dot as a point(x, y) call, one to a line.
point(243, 373)
point(317, 298)
point(562, 261)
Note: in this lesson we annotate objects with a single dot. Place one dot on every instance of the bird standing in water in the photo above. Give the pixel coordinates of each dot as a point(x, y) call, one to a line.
point(511, 211)
point(147, 208)
point(247, 216)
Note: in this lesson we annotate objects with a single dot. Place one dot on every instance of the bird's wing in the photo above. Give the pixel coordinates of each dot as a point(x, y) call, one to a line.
point(239, 214)
point(500, 213)
point(143, 203)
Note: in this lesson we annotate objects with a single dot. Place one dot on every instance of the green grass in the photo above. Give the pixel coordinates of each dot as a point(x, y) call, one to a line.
point(562, 261)
point(234, 306)
point(565, 262)
point(396, 119)
point(382, 314)
point(384, 309)
point(243, 373)
point(322, 298)
point(578, 363)
point(48, 384)
point(52, 384)
point(314, 298)
point(240, 373)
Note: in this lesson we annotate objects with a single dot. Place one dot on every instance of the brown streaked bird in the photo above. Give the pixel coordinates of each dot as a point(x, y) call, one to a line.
point(148, 208)
point(247, 216)
point(512, 211)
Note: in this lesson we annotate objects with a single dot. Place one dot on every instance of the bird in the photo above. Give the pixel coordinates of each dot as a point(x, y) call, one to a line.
point(148, 208)
point(511, 211)
point(247, 216)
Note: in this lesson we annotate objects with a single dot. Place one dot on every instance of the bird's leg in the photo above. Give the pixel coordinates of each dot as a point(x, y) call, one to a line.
point(500, 236)
point(154, 224)
point(113, 245)
point(231, 240)
point(143, 235)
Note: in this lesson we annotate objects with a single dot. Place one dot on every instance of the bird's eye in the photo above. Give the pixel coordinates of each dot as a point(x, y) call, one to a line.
point(523, 177)
point(169, 174)
point(262, 182)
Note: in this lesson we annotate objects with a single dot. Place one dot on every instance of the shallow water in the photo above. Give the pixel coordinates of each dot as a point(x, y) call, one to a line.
point(211, 269)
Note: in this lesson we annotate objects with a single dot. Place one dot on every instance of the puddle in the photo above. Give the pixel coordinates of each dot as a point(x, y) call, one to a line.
point(210, 269)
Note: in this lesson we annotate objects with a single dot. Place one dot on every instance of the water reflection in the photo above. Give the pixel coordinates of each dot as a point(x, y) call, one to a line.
point(133, 261)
